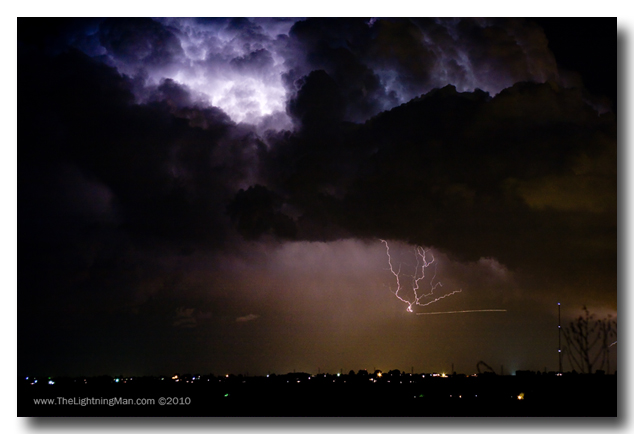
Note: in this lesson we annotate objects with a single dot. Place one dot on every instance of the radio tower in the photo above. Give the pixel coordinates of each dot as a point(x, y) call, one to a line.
point(559, 330)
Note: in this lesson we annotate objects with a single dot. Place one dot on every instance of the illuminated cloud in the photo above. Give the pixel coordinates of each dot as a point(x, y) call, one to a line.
point(249, 67)
point(232, 63)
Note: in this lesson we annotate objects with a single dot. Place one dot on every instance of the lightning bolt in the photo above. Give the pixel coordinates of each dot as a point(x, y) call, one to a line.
point(421, 298)
point(422, 263)
point(461, 311)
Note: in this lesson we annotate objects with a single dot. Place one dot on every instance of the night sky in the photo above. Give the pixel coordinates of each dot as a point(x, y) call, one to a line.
point(211, 195)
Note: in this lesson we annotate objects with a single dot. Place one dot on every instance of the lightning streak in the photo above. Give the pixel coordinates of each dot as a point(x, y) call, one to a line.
point(436, 299)
point(461, 311)
point(422, 263)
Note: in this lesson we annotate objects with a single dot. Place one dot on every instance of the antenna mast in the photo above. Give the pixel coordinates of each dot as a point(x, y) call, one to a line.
point(559, 330)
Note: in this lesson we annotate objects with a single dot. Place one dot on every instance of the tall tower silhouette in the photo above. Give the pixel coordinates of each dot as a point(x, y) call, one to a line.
point(559, 331)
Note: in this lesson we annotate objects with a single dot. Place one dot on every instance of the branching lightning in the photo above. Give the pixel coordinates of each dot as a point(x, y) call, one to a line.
point(417, 297)
point(422, 263)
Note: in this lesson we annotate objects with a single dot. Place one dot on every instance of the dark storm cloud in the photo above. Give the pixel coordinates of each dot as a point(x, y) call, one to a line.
point(335, 46)
point(173, 94)
point(172, 164)
point(395, 60)
point(318, 105)
point(167, 176)
point(108, 189)
point(256, 211)
point(529, 171)
point(139, 41)
point(233, 62)
point(376, 64)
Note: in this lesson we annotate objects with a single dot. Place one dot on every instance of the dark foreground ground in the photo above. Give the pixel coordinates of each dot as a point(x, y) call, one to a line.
point(323, 395)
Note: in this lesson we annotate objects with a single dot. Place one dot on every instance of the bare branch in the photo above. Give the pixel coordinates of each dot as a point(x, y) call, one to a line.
point(588, 341)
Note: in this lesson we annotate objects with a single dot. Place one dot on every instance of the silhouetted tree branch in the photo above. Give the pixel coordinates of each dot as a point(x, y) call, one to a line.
point(588, 341)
